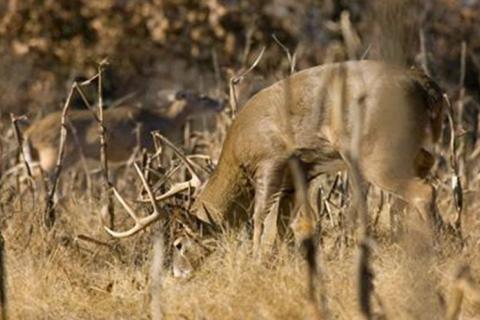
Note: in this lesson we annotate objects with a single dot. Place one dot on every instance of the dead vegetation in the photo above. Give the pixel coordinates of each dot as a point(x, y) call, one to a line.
point(71, 268)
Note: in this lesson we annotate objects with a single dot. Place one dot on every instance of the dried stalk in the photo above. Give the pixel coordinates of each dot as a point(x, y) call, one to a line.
point(3, 280)
point(424, 54)
point(399, 24)
point(94, 241)
point(364, 279)
point(364, 273)
point(20, 142)
point(303, 225)
point(235, 80)
point(156, 278)
point(456, 182)
point(88, 105)
point(458, 167)
point(292, 58)
point(85, 101)
point(350, 36)
point(463, 64)
point(49, 217)
point(2, 163)
point(317, 309)
point(463, 286)
point(21, 154)
point(103, 148)
point(248, 44)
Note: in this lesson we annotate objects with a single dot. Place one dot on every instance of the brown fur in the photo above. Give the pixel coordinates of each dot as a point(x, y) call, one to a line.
point(127, 127)
point(310, 115)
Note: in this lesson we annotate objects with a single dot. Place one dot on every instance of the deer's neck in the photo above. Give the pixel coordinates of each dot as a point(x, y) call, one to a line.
point(220, 196)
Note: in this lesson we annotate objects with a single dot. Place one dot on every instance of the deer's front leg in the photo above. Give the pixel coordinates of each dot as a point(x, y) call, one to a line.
point(268, 186)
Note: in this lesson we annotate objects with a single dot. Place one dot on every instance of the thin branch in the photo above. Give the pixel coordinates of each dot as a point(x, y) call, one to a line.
point(291, 58)
point(20, 142)
point(235, 80)
point(49, 218)
point(103, 146)
point(3, 281)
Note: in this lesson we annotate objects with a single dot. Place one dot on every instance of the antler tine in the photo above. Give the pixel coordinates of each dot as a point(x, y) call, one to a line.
point(194, 182)
point(179, 187)
point(176, 188)
point(180, 155)
point(140, 223)
point(124, 204)
point(147, 187)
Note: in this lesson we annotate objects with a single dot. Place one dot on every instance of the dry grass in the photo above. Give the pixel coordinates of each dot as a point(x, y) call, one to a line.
point(58, 276)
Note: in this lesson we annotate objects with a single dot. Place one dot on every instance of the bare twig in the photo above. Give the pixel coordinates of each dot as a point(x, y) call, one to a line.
point(21, 153)
point(364, 279)
point(103, 147)
point(94, 241)
point(248, 44)
point(364, 273)
point(350, 36)
point(20, 142)
point(399, 21)
point(156, 278)
point(304, 225)
point(235, 80)
point(463, 286)
point(3, 280)
point(291, 57)
point(85, 101)
point(424, 54)
point(49, 218)
point(456, 182)
point(121, 100)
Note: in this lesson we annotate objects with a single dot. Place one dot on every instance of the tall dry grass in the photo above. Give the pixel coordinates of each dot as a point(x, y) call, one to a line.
point(60, 276)
point(75, 271)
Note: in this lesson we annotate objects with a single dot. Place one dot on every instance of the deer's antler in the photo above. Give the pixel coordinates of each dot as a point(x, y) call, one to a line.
point(140, 223)
point(193, 183)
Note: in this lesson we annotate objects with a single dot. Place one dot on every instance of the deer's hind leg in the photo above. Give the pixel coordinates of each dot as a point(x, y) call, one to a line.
point(268, 187)
point(410, 187)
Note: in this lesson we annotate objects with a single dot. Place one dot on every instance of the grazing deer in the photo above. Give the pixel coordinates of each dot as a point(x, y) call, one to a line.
point(127, 127)
point(311, 116)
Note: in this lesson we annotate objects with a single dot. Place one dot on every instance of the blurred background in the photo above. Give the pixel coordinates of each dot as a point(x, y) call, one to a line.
point(162, 44)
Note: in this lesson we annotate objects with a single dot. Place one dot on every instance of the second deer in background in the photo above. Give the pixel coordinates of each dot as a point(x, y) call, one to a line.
point(127, 127)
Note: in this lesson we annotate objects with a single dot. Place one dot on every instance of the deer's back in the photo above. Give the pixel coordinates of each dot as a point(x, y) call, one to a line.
point(314, 111)
point(126, 127)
